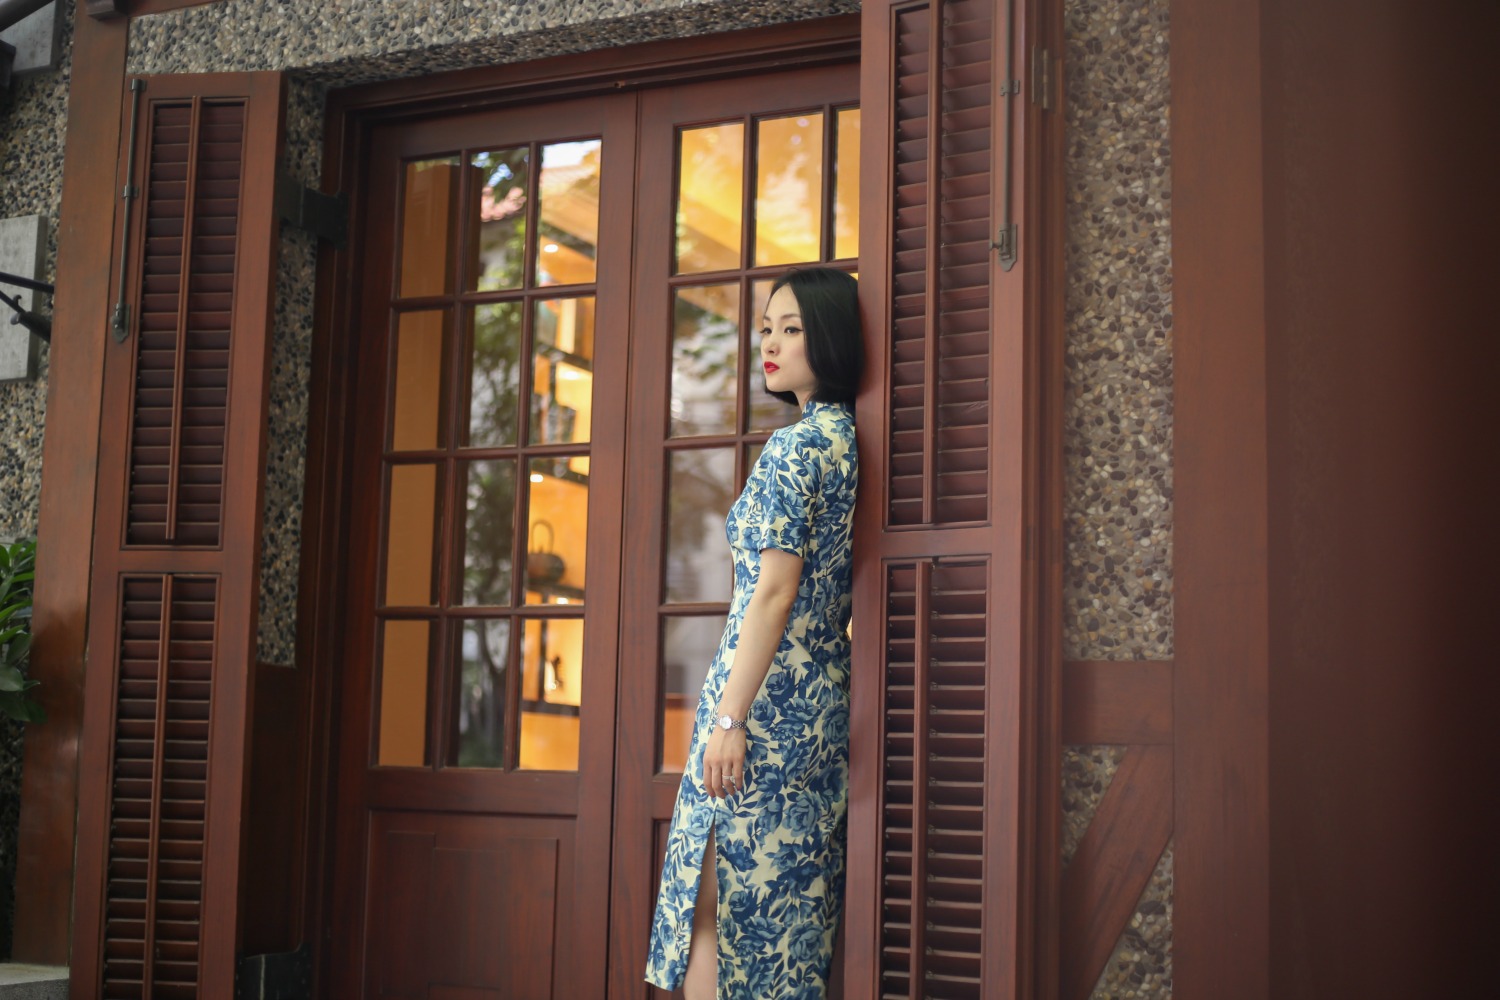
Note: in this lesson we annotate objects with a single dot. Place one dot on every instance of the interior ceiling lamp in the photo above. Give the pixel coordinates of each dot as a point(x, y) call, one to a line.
point(39, 325)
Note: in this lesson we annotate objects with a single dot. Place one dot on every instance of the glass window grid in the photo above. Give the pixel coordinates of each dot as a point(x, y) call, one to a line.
point(827, 234)
point(447, 617)
point(747, 443)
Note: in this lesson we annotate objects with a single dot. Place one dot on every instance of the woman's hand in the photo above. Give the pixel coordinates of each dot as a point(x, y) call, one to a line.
point(724, 762)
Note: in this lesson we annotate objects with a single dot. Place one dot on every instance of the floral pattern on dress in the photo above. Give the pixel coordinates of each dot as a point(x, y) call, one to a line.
point(780, 840)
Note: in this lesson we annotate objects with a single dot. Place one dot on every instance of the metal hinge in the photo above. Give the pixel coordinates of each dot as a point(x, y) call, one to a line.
point(323, 215)
point(1007, 245)
point(1041, 78)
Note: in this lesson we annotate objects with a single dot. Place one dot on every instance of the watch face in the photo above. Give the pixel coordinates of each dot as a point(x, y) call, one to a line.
point(725, 722)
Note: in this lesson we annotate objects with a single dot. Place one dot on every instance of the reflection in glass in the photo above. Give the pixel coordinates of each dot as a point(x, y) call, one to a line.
point(484, 651)
point(568, 231)
point(846, 186)
point(788, 189)
point(688, 646)
point(489, 531)
point(562, 374)
point(557, 532)
point(766, 411)
point(404, 663)
point(705, 359)
point(551, 682)
point(495, 375)
point(498, 256)
point(411, 535)
point(700, 488)
point(418, 377)
point(710, 197)
point(427, 214)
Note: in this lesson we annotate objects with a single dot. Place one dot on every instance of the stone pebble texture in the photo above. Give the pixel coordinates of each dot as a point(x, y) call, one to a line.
point(1117, 442)
point(32, 112)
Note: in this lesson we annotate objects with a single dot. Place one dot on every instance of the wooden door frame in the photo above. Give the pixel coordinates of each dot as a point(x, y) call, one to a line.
point(351, 116)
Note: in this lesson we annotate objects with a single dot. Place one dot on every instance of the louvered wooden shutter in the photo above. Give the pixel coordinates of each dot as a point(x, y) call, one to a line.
point(176, 557)
point(939, 879)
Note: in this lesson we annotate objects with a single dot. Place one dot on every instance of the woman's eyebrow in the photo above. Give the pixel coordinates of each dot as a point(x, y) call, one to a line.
point(784, 317)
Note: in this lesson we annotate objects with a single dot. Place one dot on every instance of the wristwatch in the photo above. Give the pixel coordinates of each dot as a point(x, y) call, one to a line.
point(728, 722)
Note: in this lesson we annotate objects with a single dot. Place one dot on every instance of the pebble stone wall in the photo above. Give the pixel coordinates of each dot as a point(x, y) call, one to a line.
point(1118, 580)
point(32, 111)
point(1118, 405)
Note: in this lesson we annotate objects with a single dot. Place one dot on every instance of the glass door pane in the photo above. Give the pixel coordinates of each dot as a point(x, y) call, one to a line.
point(716, 412)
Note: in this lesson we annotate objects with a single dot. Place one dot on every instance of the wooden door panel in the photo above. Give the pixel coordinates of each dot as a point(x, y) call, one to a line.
point(464, 906)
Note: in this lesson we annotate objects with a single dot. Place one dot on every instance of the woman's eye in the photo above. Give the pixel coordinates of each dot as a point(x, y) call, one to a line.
point(795, 331)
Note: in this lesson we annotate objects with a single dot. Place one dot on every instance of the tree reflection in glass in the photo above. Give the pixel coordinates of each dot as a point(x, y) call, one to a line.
point(489, 532)
point(568, 227)
point(495, 375)
point(500, 179)
point(711, 177)
point(705, 359)
point(700, 488)
point(485, 649)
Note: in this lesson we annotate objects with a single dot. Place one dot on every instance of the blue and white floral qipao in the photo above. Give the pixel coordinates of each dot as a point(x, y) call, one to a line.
point(779, 842)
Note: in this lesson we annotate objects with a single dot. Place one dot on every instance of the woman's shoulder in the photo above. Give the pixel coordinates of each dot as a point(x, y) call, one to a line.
point(829, 425)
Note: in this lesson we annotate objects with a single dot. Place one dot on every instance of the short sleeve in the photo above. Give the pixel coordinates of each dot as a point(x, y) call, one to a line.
point(784, 504)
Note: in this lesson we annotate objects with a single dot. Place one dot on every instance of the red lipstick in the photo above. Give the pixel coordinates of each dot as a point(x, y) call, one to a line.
point(772, 366)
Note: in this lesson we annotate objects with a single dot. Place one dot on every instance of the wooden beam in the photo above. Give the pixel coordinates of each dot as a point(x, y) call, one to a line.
point(1221, 907)
point(1113, 865)
point(49, 785)
point(105, 10)
point(1119, 702)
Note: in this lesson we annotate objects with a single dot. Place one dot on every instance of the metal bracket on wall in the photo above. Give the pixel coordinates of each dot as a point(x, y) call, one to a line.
point(324, 215)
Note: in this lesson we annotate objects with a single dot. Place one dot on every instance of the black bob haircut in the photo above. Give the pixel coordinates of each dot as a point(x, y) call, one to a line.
point(829, 302)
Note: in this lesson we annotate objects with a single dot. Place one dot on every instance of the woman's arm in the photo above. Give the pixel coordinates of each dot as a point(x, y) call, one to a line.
point(760, 635)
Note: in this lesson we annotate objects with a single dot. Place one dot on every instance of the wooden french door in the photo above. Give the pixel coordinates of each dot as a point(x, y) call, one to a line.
point(555, 410)
point(478, 693)
point(765, 176)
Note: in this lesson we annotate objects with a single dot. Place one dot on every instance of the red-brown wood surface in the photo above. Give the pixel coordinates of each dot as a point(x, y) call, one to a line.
point(49, 791)
point(191, 798)
point(1381, 413)
point(1047, 157)
point(1221, 907)
point(1109, 701)
point(1005, 517)
point(1114, 861)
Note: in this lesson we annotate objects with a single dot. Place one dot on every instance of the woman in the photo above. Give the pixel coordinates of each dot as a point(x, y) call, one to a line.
point(753, 881)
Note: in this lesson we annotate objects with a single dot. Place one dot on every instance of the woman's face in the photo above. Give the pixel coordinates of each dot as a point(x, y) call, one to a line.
point(783, 347)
